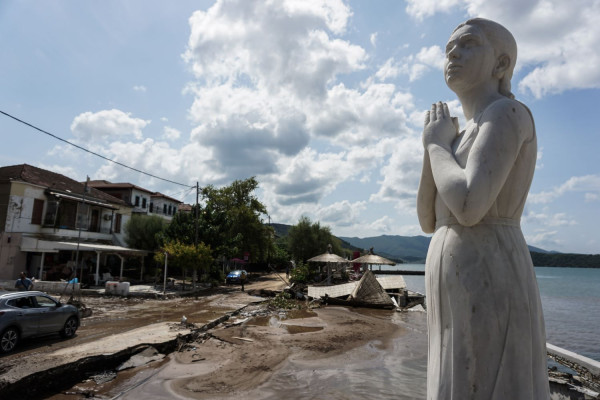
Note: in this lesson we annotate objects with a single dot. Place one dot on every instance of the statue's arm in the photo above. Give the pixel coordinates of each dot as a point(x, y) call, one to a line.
point(470, 192)
point(426, 197)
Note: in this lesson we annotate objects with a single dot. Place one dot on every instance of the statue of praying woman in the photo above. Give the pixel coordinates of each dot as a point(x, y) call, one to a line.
point(486, 328)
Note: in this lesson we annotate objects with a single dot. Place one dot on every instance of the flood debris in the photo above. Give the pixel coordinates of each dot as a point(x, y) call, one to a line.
point(145, 356)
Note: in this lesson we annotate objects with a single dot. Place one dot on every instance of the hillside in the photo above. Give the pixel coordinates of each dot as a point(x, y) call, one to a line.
point(414, 249)
point(407, 248)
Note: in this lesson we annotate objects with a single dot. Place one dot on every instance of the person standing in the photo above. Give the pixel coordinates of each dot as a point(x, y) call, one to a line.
point(24, 283)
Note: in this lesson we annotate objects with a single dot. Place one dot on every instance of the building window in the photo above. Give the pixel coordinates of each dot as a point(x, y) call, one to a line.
point(151, 208)
point(137, 201)
point(144, 202)
point(170, 208)
point(118, 223)
point(38, 209)
point(51, 213)
point(164, 208)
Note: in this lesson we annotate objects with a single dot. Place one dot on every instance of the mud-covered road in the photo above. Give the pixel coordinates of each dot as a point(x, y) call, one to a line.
point(115, 328)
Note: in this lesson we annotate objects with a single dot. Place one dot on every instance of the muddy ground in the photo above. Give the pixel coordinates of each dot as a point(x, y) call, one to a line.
point(116, 326)
point(252, 353)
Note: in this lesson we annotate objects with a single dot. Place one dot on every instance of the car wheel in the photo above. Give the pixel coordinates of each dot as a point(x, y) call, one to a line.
point(70, 328)
point(9, 340)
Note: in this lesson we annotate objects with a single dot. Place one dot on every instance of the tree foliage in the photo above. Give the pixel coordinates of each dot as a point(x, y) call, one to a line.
point(143, 232)
point(185, 256)
point(565, 260)
point(307, 239)
point(229, 222)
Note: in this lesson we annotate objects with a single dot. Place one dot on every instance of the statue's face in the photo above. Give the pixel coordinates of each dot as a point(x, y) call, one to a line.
point(470, 59)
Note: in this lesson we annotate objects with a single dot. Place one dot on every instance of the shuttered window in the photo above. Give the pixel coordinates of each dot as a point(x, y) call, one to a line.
point(38, 209)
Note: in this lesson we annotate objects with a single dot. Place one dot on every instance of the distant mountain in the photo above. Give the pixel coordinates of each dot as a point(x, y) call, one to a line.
point(408, 248)
point(395, 247)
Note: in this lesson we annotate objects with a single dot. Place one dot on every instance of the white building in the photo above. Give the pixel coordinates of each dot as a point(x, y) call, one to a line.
point(47, 220)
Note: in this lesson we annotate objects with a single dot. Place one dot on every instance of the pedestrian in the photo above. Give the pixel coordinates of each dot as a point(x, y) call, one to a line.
point(24, 283)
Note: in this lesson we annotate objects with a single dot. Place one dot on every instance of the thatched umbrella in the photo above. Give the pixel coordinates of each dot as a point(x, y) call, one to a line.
point(372, 259)
point(328, 258)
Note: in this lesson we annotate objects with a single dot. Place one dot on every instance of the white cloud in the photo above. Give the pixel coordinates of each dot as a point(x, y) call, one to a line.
point(343, 213)
point(415, 65)
point(383, 225)
point(559, 41)
point(388, 70)
point(171, 133)
point(549, 220)
point(401, 174)
point(420, 9)
point(107, 125)
point(591, 197)
point(586, 183)
point(278, 46)
point(140, 88)
point(545, 239)
point(373, 39)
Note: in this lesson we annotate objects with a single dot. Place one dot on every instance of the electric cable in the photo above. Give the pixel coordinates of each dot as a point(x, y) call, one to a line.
point(94, 153)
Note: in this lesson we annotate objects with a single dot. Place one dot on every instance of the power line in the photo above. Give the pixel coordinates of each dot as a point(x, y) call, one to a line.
point(96, 154)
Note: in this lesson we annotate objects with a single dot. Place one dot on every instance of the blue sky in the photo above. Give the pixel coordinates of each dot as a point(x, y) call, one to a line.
point(322, 101)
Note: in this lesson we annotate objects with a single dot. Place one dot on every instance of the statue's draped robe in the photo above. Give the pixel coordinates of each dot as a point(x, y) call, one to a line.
point(486, 329)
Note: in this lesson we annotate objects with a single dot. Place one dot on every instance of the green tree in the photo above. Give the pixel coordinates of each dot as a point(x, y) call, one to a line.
point(144, 231)
point(186, 256)
point(307, 239)
point(228, 220)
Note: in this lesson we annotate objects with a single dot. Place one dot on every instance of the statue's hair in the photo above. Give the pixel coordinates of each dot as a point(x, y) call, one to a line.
point(503, 43)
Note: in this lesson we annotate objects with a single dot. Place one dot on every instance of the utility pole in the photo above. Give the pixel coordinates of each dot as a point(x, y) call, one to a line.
point(85, 189)
point(196, 232)
point(196, 217)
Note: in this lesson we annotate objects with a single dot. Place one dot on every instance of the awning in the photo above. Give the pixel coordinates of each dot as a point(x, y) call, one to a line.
point(87, 201)
point(49, 246)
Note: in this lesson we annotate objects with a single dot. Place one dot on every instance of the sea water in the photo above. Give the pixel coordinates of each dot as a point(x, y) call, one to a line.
point(570, 299)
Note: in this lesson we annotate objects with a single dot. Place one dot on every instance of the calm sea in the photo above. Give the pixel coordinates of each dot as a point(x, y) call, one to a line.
point(571, 302)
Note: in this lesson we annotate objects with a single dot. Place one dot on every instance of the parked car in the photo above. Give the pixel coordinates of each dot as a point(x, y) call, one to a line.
point(236, 276)
point(33, 313)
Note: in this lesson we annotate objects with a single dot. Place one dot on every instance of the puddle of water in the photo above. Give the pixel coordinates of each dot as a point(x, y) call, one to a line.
point(275, 320)
point(294, 329)
point(367, 372)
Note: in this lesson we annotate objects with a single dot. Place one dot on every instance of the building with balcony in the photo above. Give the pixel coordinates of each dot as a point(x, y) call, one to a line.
point(142, 201)
point(48, 220)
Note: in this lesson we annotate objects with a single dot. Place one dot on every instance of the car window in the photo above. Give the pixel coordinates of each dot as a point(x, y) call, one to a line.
point(44, 301)
point(22, 302)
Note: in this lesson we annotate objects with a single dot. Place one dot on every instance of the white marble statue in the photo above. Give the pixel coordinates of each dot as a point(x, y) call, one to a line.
point(486, 329)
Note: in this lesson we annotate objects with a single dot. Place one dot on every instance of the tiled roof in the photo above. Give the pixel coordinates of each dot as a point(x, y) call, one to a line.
point(158, 194)
point(51, 180)
point(184, 207)
point(102, 184)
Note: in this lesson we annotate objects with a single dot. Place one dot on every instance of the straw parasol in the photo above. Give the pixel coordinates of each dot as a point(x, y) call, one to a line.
point(373, 259)
point(329, 258)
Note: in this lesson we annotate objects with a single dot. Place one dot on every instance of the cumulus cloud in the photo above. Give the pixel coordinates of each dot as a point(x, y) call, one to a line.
point(171, 133)
point(140, 88)
point(414, 65)
point(342, 213)
point(373, 39)
point(558, 41)
point(401, 174)
point(546, 219)
point(546, 239)
point(586, 183)
point(107, 125)
point(267, 85)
